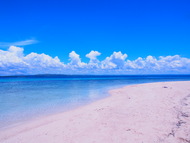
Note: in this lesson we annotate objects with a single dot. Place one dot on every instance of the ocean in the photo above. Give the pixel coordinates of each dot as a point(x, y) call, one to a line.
point(28, 97)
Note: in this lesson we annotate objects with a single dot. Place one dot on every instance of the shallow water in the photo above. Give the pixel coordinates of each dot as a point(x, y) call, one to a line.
point(26, 97)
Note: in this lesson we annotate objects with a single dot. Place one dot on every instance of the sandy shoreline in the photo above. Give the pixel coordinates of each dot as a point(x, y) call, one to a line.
point(145, 113)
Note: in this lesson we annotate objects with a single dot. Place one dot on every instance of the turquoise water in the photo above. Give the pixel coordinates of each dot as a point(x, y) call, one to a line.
point(26, 97)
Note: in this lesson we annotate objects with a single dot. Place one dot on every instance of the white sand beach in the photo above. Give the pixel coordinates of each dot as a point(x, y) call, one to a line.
point(144, 113)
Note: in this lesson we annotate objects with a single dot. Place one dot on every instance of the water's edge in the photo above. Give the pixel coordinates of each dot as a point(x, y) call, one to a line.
point(28, 98)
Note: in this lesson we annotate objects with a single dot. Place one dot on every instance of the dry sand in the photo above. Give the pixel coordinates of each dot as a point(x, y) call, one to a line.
point(145, 113)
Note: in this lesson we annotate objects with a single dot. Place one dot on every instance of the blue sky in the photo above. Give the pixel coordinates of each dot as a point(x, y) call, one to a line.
point(138, 28)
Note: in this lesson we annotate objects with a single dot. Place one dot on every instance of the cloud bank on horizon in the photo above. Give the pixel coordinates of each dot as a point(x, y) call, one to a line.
point(14, 62)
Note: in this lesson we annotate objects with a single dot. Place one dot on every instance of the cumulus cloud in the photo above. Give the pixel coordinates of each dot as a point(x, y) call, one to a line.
point(13, 62)
point(175, 63)
point(42, 60)
point(116, 60)
point(75, 60)
point(12, 56)
point(18, 43)
point(161, 65)
point(93, 56)
point(94, 63)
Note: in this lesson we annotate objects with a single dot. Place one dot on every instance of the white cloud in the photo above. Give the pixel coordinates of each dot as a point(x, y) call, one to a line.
point(175, 63)
point(18, 43)
point(94, 63)
point(116, 60)
point(16, 51)
point(13, 55)
point(75, 60)
point(42, 60)
point(93, 56)
point(139, 63)
point(168, 64)
point(14, 61)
